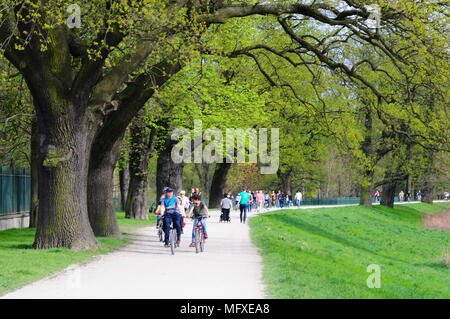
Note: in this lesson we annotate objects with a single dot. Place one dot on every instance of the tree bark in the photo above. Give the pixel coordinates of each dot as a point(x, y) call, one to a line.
point(285, 181)
point(101, 208)
point(34, 165)
point(168, 173)
point(63, 156)
point(388, 194)
point(365, 195)
point(142, 141)
point(204, 173)
point(124, 180)
point(218, 183)
point(427, 194)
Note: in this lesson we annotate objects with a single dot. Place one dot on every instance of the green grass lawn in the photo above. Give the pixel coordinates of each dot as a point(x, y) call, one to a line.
point(21, 265)
point(324, 253)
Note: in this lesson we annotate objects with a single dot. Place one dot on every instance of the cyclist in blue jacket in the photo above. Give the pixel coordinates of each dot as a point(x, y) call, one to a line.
point(171, 215)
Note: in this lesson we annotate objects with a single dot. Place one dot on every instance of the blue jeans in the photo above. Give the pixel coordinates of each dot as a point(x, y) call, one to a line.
point(194, 227)
point(281, 203)
point(170, 218)
point(298, 202)
point(243, 208)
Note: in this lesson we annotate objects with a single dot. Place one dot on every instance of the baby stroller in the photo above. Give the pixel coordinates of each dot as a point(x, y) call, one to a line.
point(225, 215)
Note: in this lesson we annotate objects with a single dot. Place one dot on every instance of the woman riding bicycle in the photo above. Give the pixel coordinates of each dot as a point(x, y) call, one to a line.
point(200, 213)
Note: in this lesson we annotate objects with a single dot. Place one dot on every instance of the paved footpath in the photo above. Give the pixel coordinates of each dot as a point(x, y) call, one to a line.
point(229, 268)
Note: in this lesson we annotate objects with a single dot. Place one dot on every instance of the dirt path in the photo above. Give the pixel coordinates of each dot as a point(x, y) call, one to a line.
point(230, 268)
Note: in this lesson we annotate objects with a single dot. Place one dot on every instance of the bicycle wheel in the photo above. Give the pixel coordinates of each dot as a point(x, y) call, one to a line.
point(202, 242)
point(173, 240)
point(160, 234)
point(197, 240)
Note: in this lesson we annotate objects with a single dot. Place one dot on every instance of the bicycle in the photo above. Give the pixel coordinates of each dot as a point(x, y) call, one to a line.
point(199, 238)
point(173, 239)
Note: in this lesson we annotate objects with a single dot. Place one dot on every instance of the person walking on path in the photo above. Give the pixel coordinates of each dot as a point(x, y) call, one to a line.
point(280, 199)
point(260, 201)
point(419, 195)
point(184, 207)
point(273, 198)
point(267, 200)
point(243, 205)
point(252, 201)
point(237, 200)
point(401, 196)
point(298, 198)
point(226, 204)
point(172, 215)
point(184, 203)
point(289, 199)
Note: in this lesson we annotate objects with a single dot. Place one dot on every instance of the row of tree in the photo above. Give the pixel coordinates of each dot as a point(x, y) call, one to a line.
point(136, 70)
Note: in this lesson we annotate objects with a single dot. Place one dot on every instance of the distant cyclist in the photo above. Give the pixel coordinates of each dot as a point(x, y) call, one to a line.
point(199, 212)
point(171, 215)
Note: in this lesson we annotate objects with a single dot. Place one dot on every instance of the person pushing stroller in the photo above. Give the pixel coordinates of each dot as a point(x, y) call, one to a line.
point(226, 204)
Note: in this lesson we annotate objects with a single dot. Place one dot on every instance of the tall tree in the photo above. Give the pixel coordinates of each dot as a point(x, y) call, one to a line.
point(142, 144)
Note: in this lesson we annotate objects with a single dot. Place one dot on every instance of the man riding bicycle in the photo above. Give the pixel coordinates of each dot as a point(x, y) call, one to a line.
point(200, 213)
point(171, 215)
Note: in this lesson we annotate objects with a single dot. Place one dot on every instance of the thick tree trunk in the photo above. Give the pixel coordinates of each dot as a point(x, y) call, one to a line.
point(218, 183)
point(365, 195)
point(142, 141)
point(137, 201)
point(285, 181)
point(388, 194)
point(124, 181)
point(101, 208)
point(34, 165)
point(427, 193)
point(63, 219)
point(168, 173)
point(204, 173)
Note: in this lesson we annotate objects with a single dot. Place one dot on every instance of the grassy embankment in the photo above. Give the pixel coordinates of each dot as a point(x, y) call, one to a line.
point(21, 265)
point(324, 253)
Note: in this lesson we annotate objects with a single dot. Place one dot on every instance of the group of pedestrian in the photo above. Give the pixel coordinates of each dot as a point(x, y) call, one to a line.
point(402, 196)
point(248, 200)
point(405, 197)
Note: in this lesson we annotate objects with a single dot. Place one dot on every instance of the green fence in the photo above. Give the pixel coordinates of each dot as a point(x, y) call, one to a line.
point(336, 201)
point(15, 190)
point(330, 201)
